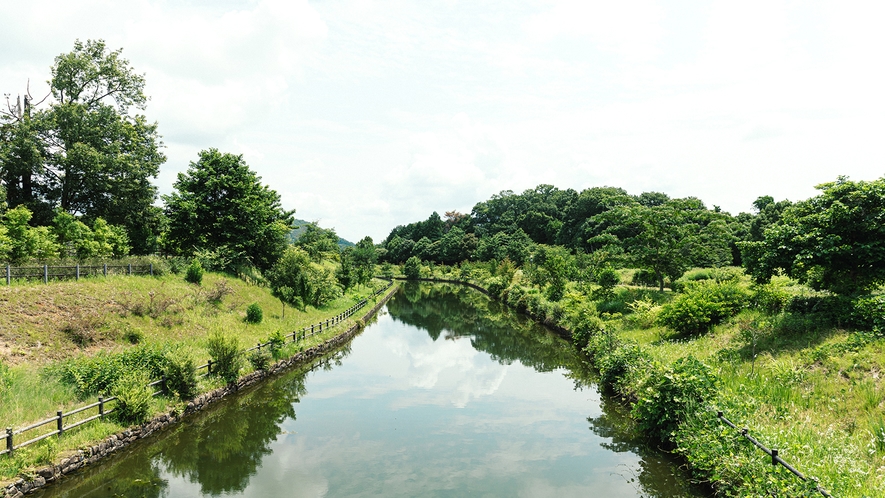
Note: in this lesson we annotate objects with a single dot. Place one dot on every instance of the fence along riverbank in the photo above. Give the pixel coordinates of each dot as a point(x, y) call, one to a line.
point(104, 406)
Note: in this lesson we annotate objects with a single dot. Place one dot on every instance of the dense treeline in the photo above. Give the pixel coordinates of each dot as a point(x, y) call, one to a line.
point(832, 241)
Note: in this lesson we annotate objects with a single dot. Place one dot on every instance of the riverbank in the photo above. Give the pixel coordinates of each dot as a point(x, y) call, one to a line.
point(83, 443)
point(800, 384)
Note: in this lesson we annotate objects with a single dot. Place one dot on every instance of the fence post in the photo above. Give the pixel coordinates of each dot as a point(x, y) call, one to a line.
point(209, 366)
point(311, 329)
point(45, 274)
point(130, 269)
point(105, 269)
point(8, 275)
point(152, 269)
point(60, 424)
point(9, 445)
point(100, 407)
point(773, 456)
point(259, 346)
point(78, 272)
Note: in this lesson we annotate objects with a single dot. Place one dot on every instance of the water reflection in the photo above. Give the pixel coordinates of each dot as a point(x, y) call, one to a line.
point(446, 395)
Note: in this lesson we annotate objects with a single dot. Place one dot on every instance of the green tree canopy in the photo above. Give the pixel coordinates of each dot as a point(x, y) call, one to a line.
point(85, 153)
point(834, 241)
point(220, 203)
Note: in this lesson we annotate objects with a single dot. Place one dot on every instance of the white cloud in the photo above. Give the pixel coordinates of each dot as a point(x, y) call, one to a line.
point(370, 114)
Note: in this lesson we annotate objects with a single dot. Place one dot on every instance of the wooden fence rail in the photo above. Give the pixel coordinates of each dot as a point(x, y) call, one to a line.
point(101, 404)
point(47, 272)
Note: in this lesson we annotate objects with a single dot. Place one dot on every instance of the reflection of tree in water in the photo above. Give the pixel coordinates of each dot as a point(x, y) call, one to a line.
point(222, 449)
point(135, 476)
point(655, 476)
point(462, 312)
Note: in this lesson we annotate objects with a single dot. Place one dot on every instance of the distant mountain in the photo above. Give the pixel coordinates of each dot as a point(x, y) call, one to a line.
point(301, 227)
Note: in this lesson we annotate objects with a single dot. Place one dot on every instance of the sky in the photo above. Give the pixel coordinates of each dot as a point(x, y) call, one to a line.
point(364, 115)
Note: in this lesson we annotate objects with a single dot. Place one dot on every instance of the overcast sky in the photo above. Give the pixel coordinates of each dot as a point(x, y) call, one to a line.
point(364, 115)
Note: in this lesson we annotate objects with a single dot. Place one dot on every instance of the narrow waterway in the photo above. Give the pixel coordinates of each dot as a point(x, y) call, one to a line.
point(445, 394)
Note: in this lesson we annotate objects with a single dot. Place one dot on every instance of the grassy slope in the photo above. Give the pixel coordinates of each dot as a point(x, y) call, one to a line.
point(43, 324)
point(814, 391)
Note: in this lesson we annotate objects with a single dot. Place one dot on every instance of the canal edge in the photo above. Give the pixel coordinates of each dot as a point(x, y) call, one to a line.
point(48, 474)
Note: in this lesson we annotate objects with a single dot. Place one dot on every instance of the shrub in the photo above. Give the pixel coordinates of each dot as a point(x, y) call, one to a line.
point(254, 313)
point(194, 273)
point(412, 268)
point(133, 398)
point(614, 367)
point(275, 343)
point(133, 335)
point(495, 286)
point(588, 324)
point(180, 373)
point(668, 395)
point(645, 278)
point(97, 374)
point(868, 313)
point(226, 356)
point(771, 297)
point(703, 305)
point(259, 359)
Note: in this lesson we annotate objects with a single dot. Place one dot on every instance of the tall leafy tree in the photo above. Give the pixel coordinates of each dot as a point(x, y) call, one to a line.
point(220, 204)
point(834, 241)
point(86, 152)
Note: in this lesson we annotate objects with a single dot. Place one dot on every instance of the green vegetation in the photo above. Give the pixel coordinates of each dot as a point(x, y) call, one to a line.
point(790, 345)
point(254, 314)
point(46, 369)
point(800, 372)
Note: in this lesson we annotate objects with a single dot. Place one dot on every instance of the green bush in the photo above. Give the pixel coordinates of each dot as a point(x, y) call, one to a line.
point(771, 297)
point(412, 268)
point(97, 374)
point(259, 359)
point(495, 286)
point(669, 395)
point(275, 343)
point(181, 376)
point(133, 398)
point(869, 313)
point(226, 356)
point(645, 278)
point(614, 367)
point(254, 313)
point(587, 324)
point(703, 305)
point(194, 273)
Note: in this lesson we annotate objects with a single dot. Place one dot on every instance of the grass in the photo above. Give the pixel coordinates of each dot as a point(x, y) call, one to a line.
point(43, 325)
point(811, 389)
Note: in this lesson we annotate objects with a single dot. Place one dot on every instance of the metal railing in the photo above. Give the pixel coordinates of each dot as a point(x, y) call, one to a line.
point(48, 272)
point(773, 453)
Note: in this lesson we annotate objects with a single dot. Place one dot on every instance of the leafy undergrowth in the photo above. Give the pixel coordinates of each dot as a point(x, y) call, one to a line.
point(799, 377)
point(64, 343)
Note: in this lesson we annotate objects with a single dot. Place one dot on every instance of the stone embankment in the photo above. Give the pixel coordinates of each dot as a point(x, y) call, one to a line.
point(86, 456)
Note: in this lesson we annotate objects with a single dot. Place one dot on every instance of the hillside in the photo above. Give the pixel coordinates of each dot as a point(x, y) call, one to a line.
point(301, 226)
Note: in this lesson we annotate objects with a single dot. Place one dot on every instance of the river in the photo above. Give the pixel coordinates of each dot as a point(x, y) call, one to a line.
point(444, 394)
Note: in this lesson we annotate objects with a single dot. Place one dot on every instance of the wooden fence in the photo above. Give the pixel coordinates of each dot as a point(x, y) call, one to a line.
point(47, 272)
point(102, 404)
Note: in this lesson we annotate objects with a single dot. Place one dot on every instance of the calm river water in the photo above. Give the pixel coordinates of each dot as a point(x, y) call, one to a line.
point(445, 394)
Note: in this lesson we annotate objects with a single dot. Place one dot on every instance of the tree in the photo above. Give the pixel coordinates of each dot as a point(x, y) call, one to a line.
point(412, 268)
point(364, 259)
point(834, 241)
point(318, 242)
point(298, 281)
point(85, 153)
point(221, 203)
